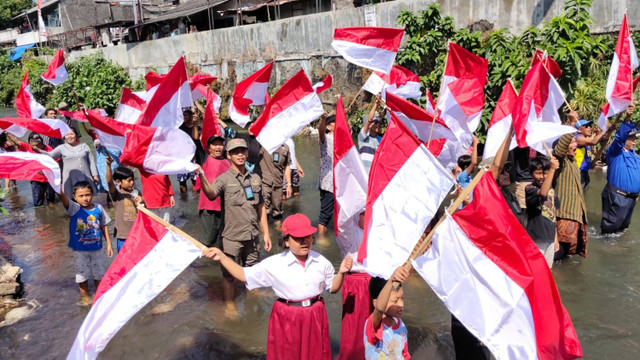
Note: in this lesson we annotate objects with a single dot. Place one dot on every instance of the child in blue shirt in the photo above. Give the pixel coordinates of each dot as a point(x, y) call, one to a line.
point(385, 336)
point(87, 225)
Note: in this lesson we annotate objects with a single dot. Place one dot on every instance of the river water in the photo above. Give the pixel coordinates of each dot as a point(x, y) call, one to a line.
point(601, 292)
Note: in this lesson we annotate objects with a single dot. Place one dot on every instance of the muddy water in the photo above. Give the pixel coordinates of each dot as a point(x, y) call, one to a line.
point(602, 292)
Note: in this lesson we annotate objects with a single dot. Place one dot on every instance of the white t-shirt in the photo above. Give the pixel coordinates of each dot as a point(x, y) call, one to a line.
point(289, 279)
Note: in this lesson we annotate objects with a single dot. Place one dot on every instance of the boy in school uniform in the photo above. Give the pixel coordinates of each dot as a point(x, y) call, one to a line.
point(385, 335)
point(125, 200)
point(87, 226)
point(542, 204)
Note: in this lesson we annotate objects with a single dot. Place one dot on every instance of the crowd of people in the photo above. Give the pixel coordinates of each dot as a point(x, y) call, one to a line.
point(242, 188)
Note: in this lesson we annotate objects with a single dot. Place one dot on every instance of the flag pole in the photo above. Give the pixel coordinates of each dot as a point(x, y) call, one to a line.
point(605, 137)
point(354, 100)
point(170, 227)
point(436, 111)
point(425, 240)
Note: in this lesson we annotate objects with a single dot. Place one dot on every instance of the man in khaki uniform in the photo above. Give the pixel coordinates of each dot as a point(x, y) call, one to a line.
point(273, 168)
point(243, 209)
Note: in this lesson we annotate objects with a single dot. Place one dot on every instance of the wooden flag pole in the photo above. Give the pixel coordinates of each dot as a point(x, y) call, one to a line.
point(354, 100)
point(170, 227)
point(425, 240)
point(605, 137)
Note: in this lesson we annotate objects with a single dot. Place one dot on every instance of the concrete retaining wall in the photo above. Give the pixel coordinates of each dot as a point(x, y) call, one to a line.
point(234, 53)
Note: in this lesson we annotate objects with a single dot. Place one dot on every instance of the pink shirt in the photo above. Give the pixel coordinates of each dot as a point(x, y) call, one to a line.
point(212, 168)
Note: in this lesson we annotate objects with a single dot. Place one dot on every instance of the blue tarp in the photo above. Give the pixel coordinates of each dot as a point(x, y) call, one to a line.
point(16, 53)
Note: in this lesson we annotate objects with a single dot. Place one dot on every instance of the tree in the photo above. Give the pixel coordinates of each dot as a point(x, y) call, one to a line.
point(11, 8)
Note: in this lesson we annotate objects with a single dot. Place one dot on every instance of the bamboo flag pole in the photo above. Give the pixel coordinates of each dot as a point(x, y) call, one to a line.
point(354, 99)
point(170, 227)
point(605, 137)
point(425, 240)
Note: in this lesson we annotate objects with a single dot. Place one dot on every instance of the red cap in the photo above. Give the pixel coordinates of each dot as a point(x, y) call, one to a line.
point(298, 225)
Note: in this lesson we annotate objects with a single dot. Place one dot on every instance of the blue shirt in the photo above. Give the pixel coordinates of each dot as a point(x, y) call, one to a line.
point(85, 227)
point(624, 166)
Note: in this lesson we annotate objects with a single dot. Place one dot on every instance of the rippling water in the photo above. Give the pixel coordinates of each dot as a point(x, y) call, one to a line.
point(601, 292)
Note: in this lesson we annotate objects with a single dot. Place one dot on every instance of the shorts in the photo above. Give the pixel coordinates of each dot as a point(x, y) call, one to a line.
point(89, 265)
point(295, 180)
point(187, 176)
point(244, 253)
point(326, 207)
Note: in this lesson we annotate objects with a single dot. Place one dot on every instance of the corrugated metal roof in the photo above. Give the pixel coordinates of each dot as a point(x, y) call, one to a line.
point(186, 9)
point(45, 4)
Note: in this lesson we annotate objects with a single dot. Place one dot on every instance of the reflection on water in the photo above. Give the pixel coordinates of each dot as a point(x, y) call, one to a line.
point(601, 292)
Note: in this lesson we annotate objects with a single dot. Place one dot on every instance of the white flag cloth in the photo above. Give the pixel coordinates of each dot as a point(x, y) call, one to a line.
point(406, 186)
point(150, 259)
point(56, 73)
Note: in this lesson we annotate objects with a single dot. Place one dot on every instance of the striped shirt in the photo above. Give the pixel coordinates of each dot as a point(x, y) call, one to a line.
point(367, 145)
point(567, 186)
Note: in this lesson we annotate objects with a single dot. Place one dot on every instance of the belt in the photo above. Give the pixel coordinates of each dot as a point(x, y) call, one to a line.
point(301, 303)
point(633, 196)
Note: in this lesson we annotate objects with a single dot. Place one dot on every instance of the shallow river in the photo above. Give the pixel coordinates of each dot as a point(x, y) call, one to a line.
point(601, 292)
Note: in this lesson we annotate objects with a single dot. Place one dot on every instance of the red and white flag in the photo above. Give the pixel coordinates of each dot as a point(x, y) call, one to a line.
point(26, 104)
point(500, 122)
point(372, 47)
point(200, 84)
point(111, 132)
point(151, 258)
point(535, 114)
point(293, 107)
point(607, 112)
point(173, 94)
point(406, 187)
point(400, 81)
point(20, 165)
point(49, 127)
point(418, 120)
point(80, 115)
point(619, 90)
point(130, 107)
point(210, 126)
point(349, 188)
point(322, 85)
point(250, 91)
point(462, 99)
point(56, 73)
point(489, 273)
point(551, 65)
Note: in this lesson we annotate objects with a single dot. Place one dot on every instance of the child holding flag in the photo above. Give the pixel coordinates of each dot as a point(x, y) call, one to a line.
point(298, 326)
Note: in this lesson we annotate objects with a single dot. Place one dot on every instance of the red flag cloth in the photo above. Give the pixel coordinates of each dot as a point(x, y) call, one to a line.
point(250, 91)
point(372, 47)
point(619, 90)
point(549, 64)
point(56, 73)
point(210, 125)
point(49, 127)
point(293, 107)
point(323, 85)
point(483, 253)
point(26, 104)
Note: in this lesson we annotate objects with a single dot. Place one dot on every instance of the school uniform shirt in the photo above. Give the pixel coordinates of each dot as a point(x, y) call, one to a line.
point(289, 279)
point(85, 226)
point(156, 190)
point(272, 171)
point(212, 168)
point(387, 342)
point(624, 166)
point(241, 221)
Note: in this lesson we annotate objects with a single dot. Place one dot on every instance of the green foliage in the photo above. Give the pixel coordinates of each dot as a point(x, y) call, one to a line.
point(10, 76)
point(584, 58)
point(11, 8)
point(96, 81)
